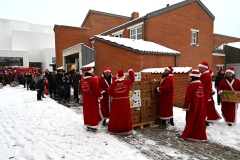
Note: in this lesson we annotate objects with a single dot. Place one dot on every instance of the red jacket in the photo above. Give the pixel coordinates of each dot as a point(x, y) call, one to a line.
point(166, 89)
point(229, 109)
point(195, 128)
point(105, 103)
point(91, 93)
point(120, 121)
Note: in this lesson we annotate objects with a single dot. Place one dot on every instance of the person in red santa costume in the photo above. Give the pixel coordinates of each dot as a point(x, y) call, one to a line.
point(90, 95)
point(104, 83)
point(120, 121)
point(195, 128)
point(166, 90)
point(229, 83)
point(206, 80)
point(212, 113)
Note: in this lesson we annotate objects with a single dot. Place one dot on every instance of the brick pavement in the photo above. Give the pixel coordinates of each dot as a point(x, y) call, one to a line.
point(165, 144)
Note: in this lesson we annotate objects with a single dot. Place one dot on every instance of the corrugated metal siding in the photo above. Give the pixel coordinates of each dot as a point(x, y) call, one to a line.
point(87, 55)
point(232, 54)
point(236, 68)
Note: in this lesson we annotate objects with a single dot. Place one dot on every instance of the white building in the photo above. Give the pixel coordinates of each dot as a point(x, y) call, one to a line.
point(26, 44)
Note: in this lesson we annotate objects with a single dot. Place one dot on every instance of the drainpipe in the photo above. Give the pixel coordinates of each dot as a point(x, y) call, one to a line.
point(175, 61)
point(144, 27)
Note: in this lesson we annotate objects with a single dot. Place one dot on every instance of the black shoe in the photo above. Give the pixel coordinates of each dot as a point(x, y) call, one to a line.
point(171, 123)
point(43, 97)
point(218, 103)
point(64, 101)
point(229, 124)
point(50, 96)
point(92, 129)
point(104, 122)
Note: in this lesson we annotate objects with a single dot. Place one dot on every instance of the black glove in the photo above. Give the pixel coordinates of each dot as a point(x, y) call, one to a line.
point(104, 94)
point(155, 90)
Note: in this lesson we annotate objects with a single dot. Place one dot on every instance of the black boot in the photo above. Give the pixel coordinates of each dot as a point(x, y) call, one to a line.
point(104, 122)
point(229, 124)
point(207, 123)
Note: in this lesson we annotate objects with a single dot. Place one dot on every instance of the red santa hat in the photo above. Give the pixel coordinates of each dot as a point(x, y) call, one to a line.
point(120, 74)
point(230, 69)
point(203, 65)
point(89, 69)
point(169, 68)
point(221, 69)
point(107, 69)
point(195, 73)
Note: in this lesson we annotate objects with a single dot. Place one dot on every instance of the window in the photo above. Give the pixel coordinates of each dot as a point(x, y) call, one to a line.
point(219, 66)
point(53, 59)
point(136, 31)
point(118, 34)
point(11, 61)
point(194, 37)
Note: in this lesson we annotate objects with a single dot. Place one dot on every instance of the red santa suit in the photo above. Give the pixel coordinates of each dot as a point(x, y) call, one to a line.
point(120, 121)
point(90, 95)
point(166, 89)
point(212, 113)
point(195, 128)
point(105, 103)
point(206, 80)
point(229, 109)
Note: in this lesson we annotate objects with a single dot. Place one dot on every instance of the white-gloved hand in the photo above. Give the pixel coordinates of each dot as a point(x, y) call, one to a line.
point(220, 92)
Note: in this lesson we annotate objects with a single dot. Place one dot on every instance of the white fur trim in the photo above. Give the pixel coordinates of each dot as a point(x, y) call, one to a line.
point(167, 68)
point(203, 66)
point(195, 75)
point(158, 89)
point(107, 71)
point(90, 71)
point(229, 70)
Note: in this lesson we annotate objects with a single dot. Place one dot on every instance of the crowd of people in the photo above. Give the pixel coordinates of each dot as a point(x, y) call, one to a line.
point(107, 97)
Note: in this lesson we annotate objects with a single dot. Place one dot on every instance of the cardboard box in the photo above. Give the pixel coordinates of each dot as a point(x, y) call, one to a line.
point(154, 94)
point(146, 110)
point(146, 101)
point(136, 74)
point(145, 76)
point(146, 118)
point(155, 84)
point(135, 111)
point(230, 96)
point(146, 93)
point(136, 85)
point(146, 85)
point(135, 119)
point(154, 101)
point(134, 94)
point(135, 103)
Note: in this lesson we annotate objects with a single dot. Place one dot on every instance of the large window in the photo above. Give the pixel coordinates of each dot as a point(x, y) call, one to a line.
point(53, 59)
point(11, 61)
point(194, 37)
point(136, 31)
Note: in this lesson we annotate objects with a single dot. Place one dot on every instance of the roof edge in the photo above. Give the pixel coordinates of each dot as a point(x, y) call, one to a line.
point(215, 34)
point(135, 50)
point(177, 5)
point(103, 13)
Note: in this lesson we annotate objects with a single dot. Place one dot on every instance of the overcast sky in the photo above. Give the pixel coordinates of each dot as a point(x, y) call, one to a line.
point(73, 12)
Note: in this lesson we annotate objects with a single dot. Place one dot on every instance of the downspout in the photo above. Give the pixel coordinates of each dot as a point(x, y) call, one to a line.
point(175, 61)
point(144, 34)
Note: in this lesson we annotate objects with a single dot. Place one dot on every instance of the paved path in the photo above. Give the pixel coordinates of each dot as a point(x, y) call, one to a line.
point(165, 144)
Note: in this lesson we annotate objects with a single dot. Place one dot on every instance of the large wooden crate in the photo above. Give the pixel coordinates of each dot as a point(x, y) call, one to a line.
point(230, 96)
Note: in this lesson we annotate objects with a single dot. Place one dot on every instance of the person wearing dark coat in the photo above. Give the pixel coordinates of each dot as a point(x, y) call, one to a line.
point(52, 84)
point(219, 77)
point(39, 83)
point(67, 88)
point(75, 82)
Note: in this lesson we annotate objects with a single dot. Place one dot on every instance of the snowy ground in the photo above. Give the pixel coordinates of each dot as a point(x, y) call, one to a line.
point(31, 129)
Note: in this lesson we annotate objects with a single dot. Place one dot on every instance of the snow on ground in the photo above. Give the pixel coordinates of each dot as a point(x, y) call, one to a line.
point(31, 129)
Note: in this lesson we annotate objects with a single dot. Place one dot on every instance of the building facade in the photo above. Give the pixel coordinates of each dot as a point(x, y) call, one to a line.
point(26, 44)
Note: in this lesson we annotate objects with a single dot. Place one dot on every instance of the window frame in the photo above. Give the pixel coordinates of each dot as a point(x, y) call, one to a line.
point(118, 34)
point(194, 39)
point(135, 28)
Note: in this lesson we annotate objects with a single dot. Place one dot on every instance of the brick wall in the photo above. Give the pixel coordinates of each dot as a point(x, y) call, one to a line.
point(172, 29)
point(217, 60)
point(119, 58)
point(218, 40)
point(67, 36)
